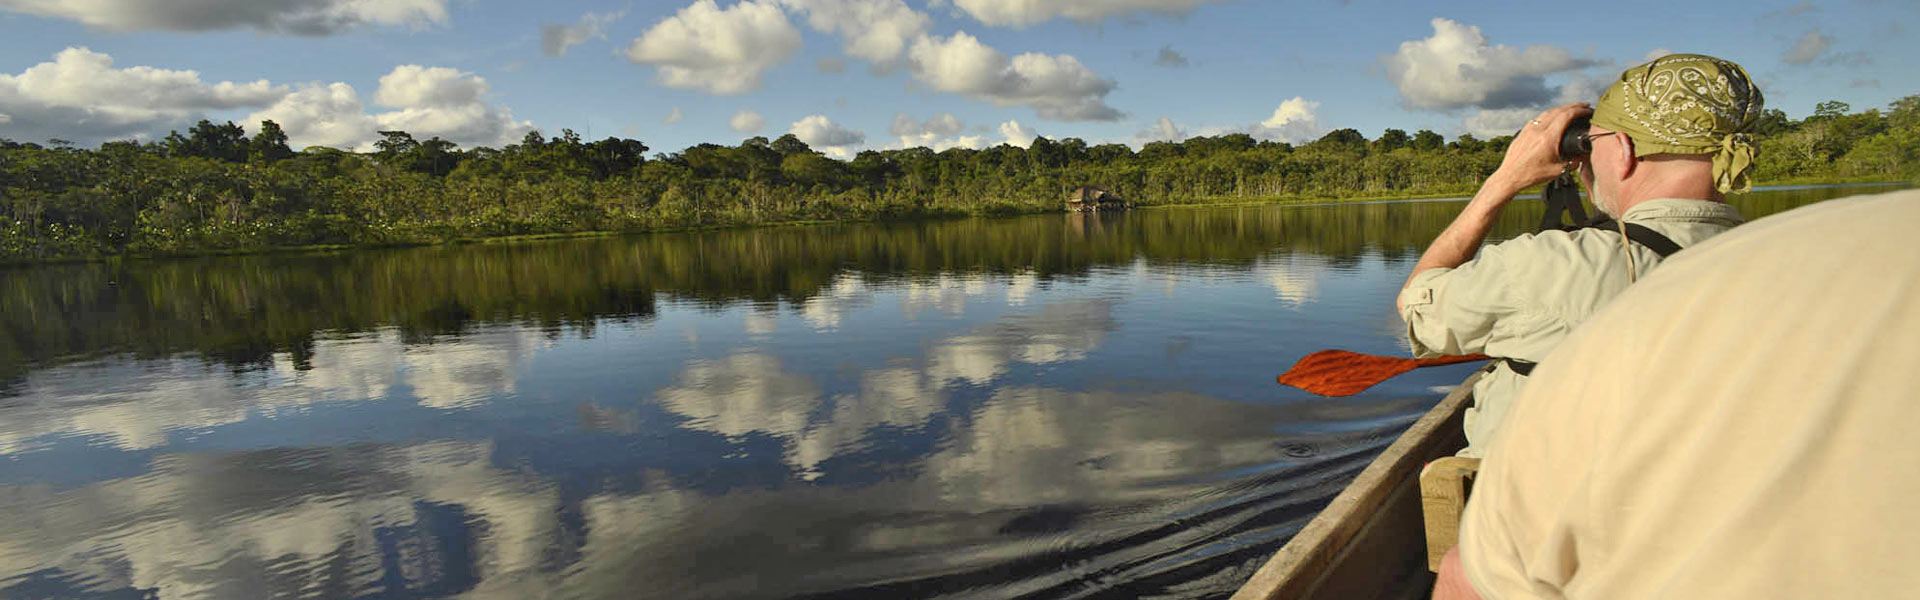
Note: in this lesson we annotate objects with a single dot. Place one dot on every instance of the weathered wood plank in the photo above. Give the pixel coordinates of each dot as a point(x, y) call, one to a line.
point(1443, 495)
point(1311, 561)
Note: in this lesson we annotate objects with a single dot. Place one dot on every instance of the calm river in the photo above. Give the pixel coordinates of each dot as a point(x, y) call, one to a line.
point(1052, 406)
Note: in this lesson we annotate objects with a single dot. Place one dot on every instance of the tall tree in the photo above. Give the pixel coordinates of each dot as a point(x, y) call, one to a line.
point(1392, 139)
point(1772, 121)
point(394, 147)
point(614, 157)
point(790, 144)
point(435, 157)
point(1831, 109)
point(1427, 141)
point(1904, 114)
point(1343, 139)
point(214, 142)
point(270, 145)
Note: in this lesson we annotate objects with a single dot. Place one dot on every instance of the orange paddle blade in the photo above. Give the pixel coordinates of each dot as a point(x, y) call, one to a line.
point(1343, 373)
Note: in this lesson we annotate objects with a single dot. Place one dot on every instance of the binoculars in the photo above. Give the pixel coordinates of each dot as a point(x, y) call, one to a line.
point(1574, 143)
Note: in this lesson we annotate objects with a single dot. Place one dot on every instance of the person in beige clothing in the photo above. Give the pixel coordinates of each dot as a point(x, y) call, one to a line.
point(1740, 424)
point(1668, 142)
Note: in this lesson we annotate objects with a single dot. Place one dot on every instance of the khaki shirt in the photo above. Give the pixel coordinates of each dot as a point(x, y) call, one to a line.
point(1740, 424)
point(1519, 298)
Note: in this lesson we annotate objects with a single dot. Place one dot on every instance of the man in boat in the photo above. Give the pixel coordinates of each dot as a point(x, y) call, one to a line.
point(1740, 424)
point(1669, 140)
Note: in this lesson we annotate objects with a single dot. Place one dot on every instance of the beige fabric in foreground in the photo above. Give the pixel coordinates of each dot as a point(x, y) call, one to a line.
point(1519, 298)
point(1743, 423)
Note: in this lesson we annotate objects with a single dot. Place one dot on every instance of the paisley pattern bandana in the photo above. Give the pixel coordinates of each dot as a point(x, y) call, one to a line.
point(1688, 104)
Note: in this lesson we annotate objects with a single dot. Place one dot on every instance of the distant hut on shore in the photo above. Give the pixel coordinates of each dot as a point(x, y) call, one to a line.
point(1089, 198)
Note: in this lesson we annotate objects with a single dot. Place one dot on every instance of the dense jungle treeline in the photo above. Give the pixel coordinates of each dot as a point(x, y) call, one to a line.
point(243, 311)
point(214, 188)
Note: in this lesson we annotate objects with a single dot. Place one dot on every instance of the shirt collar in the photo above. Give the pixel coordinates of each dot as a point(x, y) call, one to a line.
point(1681, 209)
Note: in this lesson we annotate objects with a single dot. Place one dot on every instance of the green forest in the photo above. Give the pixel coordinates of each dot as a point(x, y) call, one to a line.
point(216, 189)
point(242, 311)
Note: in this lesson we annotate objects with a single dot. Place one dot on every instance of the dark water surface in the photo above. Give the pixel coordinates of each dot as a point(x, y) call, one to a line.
point(1055, 406)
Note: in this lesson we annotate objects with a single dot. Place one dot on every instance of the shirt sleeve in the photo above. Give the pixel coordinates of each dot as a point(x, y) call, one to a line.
point(1454, 311)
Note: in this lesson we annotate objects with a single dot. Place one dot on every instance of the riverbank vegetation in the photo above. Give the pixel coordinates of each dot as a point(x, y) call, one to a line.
point(246, 312)
point(215, 189)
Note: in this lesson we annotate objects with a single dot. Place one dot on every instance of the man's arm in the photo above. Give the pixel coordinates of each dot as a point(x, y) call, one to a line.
point(1531, 159)
point(1461, 240)
point(1452, 582)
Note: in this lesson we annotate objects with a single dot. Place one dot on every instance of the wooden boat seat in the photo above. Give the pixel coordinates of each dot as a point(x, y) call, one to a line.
point(1444, 486)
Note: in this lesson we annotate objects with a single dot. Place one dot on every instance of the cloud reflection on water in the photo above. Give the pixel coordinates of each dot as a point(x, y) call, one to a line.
point(136, 405)
point(1012, 473)
point(753, 392)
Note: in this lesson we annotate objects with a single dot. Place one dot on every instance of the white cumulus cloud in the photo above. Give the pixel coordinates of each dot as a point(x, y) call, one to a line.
point(876, 31)
point(1295, 121)
point(747, 121)
point(1016, 134)
point(82, 96)
point(297, 17)
point(673, 117)
point(329, 115)
point(1058, 87)
point(822, 133)
point(426, 101)
point(941, 132)
point(415, 85)
point(1456, 68)
point(1496, 122)
point(1163, 130)
point(718, 51)
point(555, 38)
point(1023, 13)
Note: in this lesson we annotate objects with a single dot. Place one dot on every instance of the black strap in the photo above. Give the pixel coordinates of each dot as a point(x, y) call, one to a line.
point(1524, 368)
point(1640, 234)
point(1660, 244)
point(1562, 197)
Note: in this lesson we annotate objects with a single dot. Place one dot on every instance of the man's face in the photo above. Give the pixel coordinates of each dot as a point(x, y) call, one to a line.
point(1601, 171)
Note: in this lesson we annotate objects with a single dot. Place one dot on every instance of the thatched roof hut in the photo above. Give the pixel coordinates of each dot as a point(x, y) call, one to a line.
point(1093, 197)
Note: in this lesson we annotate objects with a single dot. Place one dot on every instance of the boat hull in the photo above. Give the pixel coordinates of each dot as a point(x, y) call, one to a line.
point(1370, 542)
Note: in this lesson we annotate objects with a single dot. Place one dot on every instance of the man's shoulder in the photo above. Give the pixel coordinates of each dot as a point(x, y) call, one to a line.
point(1554, 250)
point(1557, 241)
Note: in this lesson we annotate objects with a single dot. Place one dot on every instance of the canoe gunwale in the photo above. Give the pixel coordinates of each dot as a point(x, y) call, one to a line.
point(1308, 565)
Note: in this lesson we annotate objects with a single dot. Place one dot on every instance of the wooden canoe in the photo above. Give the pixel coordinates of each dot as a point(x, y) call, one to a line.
point(1370, 542)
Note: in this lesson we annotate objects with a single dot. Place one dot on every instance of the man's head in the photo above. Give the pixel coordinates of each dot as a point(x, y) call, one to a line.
point(1678, 125)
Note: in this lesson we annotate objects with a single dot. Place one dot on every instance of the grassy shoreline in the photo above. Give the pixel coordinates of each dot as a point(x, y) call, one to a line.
point(1184, 203)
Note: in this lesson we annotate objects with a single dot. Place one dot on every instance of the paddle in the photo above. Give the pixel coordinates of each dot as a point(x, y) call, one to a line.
point(1343, 373)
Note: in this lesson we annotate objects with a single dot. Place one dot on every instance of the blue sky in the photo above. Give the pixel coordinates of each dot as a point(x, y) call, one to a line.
point(855, 74)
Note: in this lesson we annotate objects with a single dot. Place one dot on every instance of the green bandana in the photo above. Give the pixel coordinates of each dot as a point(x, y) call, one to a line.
point(1688, 104)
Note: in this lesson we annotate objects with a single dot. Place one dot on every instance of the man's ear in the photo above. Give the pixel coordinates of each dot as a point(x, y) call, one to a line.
point(1627, 160)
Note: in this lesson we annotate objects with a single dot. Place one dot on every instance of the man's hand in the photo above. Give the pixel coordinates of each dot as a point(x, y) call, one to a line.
point(1534, 155)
